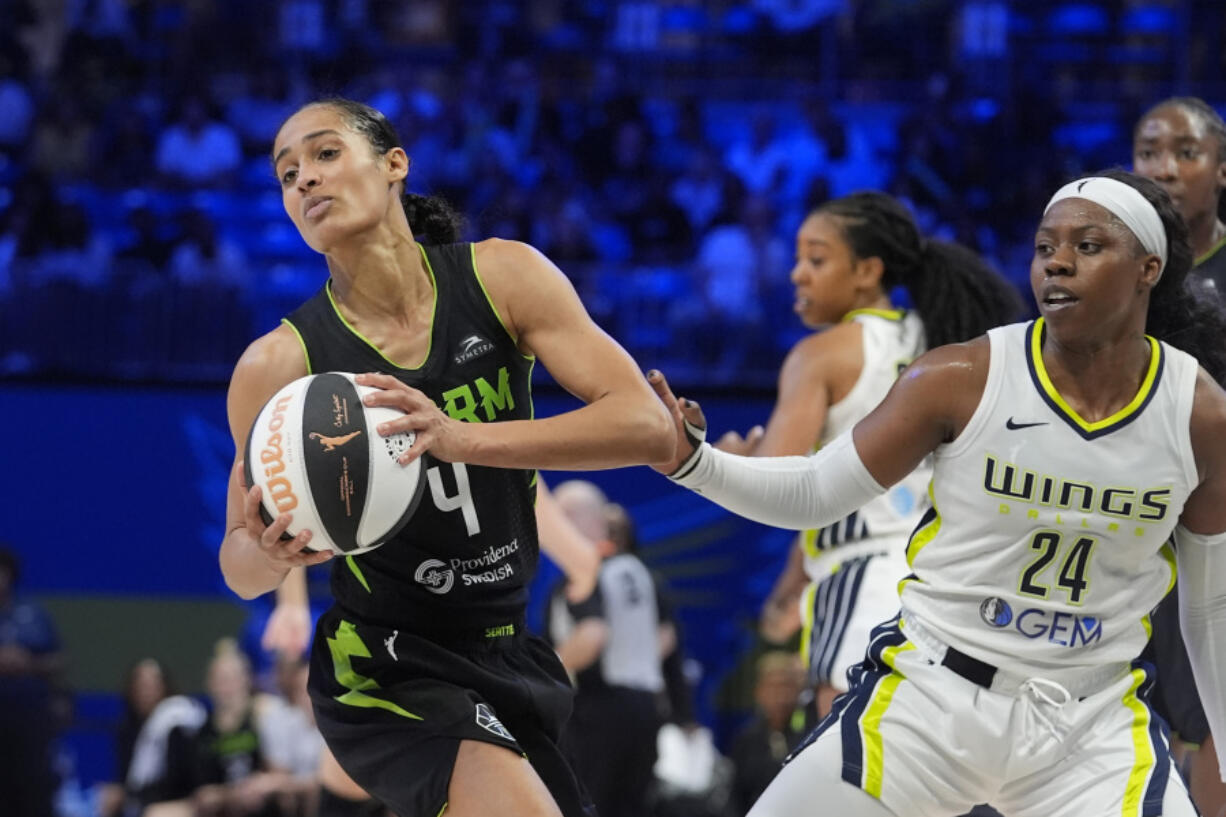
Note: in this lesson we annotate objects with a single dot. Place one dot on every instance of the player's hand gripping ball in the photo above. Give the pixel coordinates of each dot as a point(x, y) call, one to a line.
point(315, 454)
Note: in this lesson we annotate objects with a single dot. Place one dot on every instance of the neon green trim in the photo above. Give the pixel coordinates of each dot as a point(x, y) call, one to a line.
point(1147, 385)
point(808, 542)
point(889, 314)
point(1212, 251)
point(1168, 553)
point(357, 571)
point(472, 252)
point(368, 342)
point(348, 644)
point(301, 343)
point(925, 534)
point(440, 811)
point(806, 632)
point(1134, 792)
point(870, 723)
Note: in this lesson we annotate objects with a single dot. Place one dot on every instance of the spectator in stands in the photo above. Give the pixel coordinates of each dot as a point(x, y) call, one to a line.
point(203, 259)
point(146, 685)
point(196, 150)
point(63, 141)
point(217, 765)
point(31, 707)
point(777, 727)
point(16, 102)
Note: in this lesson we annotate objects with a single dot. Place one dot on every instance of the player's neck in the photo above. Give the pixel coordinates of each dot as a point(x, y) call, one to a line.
point(1205, 232)
point(381, 281)
point(1098, 378)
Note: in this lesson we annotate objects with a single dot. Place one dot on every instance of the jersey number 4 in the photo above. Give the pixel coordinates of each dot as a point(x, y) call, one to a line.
point(1074, 566)
point(461, 500)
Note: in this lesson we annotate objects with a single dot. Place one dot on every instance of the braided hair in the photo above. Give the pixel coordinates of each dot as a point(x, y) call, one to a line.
point(1179, 313)
point(1213, 122)
point(955, 292)
point(432, 218)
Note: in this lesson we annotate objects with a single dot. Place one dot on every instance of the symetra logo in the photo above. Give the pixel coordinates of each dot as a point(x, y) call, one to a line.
point(436, 580)
point(1056, 627)
point(471, 348)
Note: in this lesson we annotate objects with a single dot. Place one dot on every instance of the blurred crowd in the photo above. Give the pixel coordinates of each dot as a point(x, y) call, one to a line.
point(661, 153)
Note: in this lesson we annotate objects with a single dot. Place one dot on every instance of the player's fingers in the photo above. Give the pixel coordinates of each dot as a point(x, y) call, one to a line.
point(251, 511)
point(755, 434)
point(658, 382)
point(379, 381)
point(422, 440)
point(271, 539)
point(695, 422)
point(241, 474)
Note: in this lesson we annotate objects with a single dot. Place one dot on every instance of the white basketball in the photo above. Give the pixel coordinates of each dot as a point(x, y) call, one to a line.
point(315, 453)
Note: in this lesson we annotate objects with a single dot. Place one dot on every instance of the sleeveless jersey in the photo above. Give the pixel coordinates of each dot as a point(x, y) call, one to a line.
point(464, 560)
point(892, 339)
point(1047, 544)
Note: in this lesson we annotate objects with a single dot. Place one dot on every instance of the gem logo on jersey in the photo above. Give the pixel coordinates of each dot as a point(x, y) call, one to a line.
point(996, 612)
point(1060, 628)
point(487, 720)
point(434, 576)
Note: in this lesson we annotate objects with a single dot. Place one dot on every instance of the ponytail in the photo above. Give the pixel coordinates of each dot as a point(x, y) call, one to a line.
point(955, 292)
point(958, 295)
point(433, 220)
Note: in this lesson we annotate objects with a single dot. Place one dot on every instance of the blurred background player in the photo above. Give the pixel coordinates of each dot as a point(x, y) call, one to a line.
point(853, 255)
point(1180, 143)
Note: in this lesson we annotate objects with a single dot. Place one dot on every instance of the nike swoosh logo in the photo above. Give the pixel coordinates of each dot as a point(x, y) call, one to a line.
point(1012, 426)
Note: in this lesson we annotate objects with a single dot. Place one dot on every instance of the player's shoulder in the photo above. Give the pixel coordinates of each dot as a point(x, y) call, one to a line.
point(967, 361)
point(269, 362)
point(1208, 409)
point(841, 344)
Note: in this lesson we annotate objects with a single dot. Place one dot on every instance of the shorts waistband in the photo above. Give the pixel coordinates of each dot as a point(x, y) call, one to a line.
point(472, 636)
point(1078, 683)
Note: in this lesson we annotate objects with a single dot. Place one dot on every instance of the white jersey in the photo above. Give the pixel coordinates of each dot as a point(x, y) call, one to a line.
point(1047, 544)
point(892, 339)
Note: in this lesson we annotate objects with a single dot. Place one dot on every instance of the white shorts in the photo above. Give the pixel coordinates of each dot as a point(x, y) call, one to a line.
point(927, 742)
point(840, 611)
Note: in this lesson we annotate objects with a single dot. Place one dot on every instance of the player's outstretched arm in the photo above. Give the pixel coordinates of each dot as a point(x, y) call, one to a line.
point(254, 558)
point(1201, 550)
point(621, 424)
point(929, 405)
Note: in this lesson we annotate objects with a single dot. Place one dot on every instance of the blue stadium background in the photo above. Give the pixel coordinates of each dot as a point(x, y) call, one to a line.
point(661, 152)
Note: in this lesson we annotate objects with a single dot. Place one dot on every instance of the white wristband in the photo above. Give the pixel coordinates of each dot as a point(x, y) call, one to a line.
point(787, 492)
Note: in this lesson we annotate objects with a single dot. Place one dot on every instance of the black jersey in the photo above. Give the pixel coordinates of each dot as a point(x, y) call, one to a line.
point(464, 560)
point(1211, 268)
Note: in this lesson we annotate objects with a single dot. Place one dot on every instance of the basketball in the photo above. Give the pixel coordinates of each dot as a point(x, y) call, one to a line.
point(316, 454)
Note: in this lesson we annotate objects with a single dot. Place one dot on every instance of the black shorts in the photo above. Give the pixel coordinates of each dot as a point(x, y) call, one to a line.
point(1175, 696)
point(393, 707)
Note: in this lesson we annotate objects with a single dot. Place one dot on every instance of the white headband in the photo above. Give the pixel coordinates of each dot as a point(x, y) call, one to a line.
point(1126, 204)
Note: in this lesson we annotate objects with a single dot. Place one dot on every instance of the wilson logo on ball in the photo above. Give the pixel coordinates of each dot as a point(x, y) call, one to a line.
point(323, 459)
point(280, 490)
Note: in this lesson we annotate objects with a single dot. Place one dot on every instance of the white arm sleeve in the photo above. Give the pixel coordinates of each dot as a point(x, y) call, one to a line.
point(788, 492)
point(1202, 617)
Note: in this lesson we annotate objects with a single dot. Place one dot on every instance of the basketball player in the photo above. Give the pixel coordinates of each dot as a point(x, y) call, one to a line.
point(1067, 453)
point(1181, 144)
point(842, 580)
point(425, 686)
